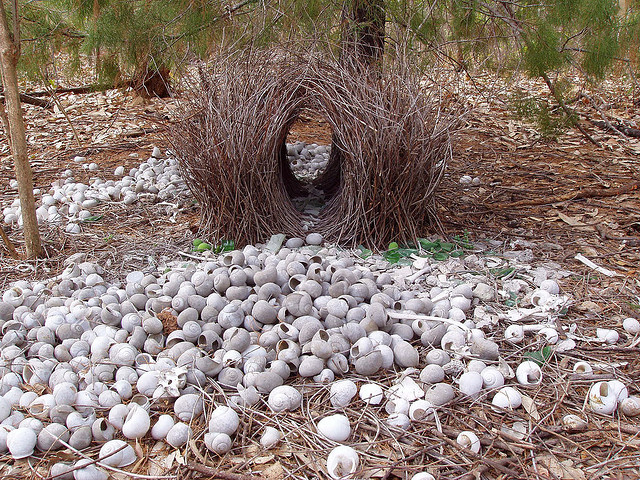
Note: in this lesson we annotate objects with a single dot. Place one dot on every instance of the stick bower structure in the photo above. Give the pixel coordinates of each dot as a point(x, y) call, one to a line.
point(391, 144)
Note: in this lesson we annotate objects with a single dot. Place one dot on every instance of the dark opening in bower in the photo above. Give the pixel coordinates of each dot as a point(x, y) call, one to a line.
point(308, 158)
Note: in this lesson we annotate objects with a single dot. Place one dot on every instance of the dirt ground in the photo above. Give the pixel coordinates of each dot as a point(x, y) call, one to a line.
point(559, 198)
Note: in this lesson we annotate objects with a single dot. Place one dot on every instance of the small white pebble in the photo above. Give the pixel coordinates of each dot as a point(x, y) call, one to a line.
point(119, 171)
point(466, 180)
point(79, 159)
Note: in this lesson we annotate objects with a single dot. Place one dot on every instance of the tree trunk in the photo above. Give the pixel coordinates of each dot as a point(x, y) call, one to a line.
point(9, 54)
point(364, 31)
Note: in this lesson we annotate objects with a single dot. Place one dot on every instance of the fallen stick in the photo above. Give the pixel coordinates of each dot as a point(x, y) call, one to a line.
point(576, 195)
point(7, 241)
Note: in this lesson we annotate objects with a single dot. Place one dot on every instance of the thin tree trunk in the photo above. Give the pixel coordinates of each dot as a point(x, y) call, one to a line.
point(9, 54)
point(364, 31)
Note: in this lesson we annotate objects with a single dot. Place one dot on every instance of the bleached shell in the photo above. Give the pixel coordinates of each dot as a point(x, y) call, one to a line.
point(405, 355)
point(342, 392)
point(421, 410)
point(438, 356)
point(583, 368)
point(224, 420)
point(49, 435)
point(137, 423)
point(369, 363)
point(432, 373)
point(179, 434)
point(284, 398)
point(453, 340)
point(470, 383)
point(439, 394)
point(21, 442)
point(102, 430)
point(507, 398)
point(492, 378)
point(371, 393)
point(270, 437)
point(219, 443)
point(188, 406)
point(162, 427)
point(335, 427)
point(342, 462)
point(88, 472)
point(529, 373)
point(631, 326)
point(117, 453)
point(310, 366)
point(607, 335)
point(399, 420)
point(470, 440)
point(574, 422)
point(630, 406)
point(117, 415)
point(423, 476)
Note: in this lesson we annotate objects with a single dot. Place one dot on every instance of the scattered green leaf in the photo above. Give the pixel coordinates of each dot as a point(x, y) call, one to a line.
point(364, 252)
point(196, 242)
point(540, 357)
point(92, 219)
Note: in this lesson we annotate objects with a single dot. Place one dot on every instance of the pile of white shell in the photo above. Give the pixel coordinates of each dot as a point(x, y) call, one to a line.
point(69, 203)
point(250, 321)
point(307, 159)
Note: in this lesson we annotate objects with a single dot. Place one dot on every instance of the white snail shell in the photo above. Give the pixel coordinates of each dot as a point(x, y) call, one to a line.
point(399, 420)
point(371, 393)
point(514, 334)
point(188, 406)
point(216, 442)
point(21, 442)
point(507, 398)
point(117, 453)
point(439, 394)
point(335, 427)
point(574, 422)
point(284, 397)
point(470, 383)
point(179, 434)
point(117, 415)
point(432, 373)
point(631, 326)
point(630, 406)
point(102, 430)
point(270, 437)
point(606, 335)
point(423, 476)
point(421, 410)
point(529, 373)
point(602, 398)
point(49, 435)
point(342, 392)
point(137, 423)
point(405, 355)
point(224, 420)
point(162, 427)
point(342, 462)
point(470, 440)
point(582, 368)
point(89, 472)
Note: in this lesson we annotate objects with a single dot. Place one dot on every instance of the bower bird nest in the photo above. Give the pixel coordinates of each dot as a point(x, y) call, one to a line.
point(391, 143)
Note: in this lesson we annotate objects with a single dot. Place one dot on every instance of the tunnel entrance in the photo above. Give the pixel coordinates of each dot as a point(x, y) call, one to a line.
point(308, 151)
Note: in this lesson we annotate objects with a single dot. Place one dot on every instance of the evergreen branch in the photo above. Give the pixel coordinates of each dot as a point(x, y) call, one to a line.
point(228, 12)
point(570, 113)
